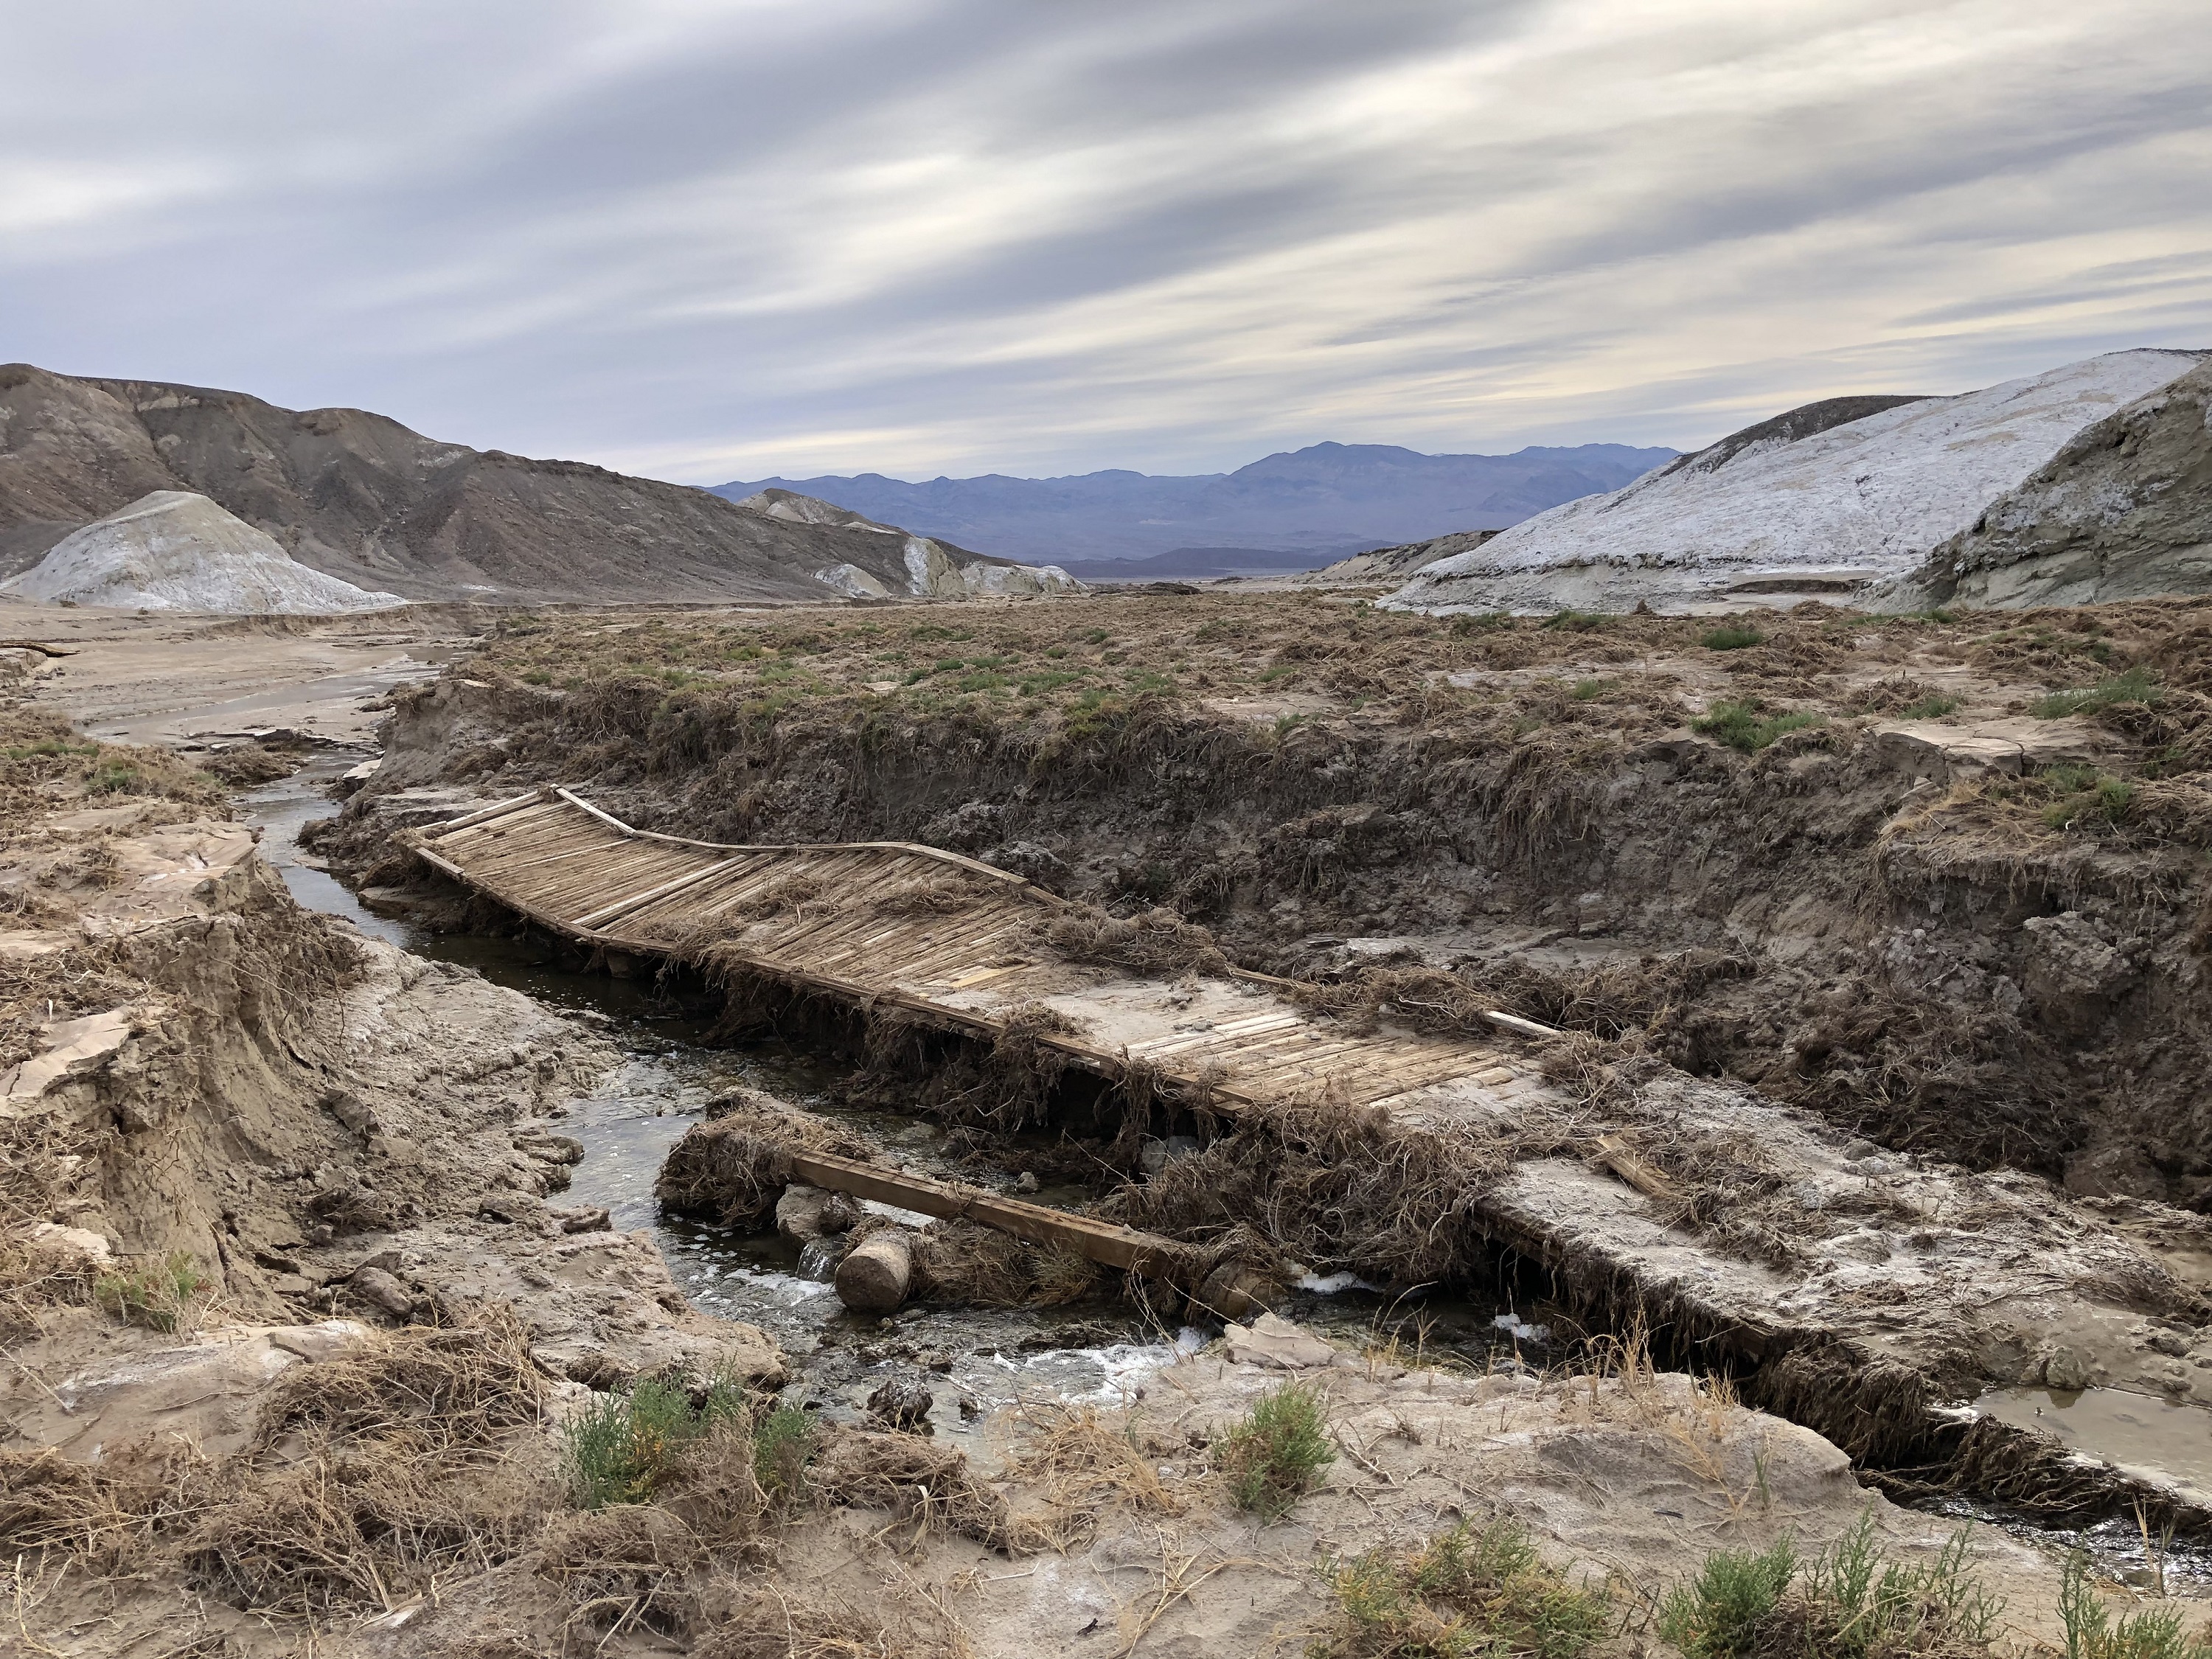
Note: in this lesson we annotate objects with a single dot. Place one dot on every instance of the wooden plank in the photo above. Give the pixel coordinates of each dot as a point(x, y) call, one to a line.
point(482, 814)
point(1099, 1241)
point(607, 913)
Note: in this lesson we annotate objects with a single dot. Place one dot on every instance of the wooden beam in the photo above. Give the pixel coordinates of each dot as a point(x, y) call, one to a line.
point(1111, 1246)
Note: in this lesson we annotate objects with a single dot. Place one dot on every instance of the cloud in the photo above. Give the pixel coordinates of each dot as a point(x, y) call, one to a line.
point(706, 239)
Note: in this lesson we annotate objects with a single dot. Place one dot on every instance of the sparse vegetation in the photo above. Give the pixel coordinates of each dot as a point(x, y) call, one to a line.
point(1745, 724)
point(1469, 1591)
point(1850, 1602)
point(1273, 1456)
point(2136, 685)
point(625, 1444)
point(1930, 708)
point(783, 1441)
point(1731, 636)
point(2092, 1633)
point(162, 1296)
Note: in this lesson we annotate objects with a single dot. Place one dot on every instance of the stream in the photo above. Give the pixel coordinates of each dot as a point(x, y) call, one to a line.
point(975, 1358)
point(1095, 1351)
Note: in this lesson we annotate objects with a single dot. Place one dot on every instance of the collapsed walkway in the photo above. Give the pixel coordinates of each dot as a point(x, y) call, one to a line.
point(1875, 1298)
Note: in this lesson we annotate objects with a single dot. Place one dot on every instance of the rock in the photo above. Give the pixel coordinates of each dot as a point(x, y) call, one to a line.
point(1277, 1343)
point(1026, 1182)
point(902, 1402)
point(593, 1220)
point(379, 1288)
point(876, 1274)
point(71, 1250)
point(1234, 1290)
point(2066, 1370)
point(799, 1213)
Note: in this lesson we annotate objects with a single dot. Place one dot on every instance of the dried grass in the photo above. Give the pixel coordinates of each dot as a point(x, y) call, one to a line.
point(1151, 942)
point(732, 1166)
point(459, 1390)
point(1088, 1469)
point(623, 1568)
point(363, 1532)
point(777, 1621)
point(927, 1487)
point(103, 1514)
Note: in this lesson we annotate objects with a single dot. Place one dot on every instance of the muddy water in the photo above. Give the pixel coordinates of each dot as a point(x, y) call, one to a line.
point(667, 1076)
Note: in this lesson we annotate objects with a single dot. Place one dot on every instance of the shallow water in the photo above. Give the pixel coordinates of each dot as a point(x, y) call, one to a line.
point(2131, 1431)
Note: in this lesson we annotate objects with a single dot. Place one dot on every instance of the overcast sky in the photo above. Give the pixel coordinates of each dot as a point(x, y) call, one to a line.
point(705, 240)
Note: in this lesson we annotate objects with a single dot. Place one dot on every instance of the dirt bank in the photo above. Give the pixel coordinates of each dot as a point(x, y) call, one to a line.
point(1941, 881)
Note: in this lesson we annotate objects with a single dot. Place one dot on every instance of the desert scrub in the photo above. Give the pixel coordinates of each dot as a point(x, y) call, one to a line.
point(1930, 708)
point(1468, 1592)
point(1731, 636)
point(2084, 795)
point(1745, 724)
point(623, 1445)
point(2092, 1633)
point(162, 1296)
point(1850, 1602)
point(1273, 1456)
point(783, 1441)
point(2136, 685)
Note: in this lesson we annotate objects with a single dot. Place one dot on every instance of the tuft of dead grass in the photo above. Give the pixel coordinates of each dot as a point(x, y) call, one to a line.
point(1152, 942)
point(623, 1568)
point(460, 1388)
point(924, 1487)
point(1088, 1468)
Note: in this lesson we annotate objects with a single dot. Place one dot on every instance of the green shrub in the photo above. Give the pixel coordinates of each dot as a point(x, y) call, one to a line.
point(1851, 1602)
point(159, 1297)
point(1731, 636)
point(1929, 708)
point(623, 1445)
point(2091, 1633)
point(1575, 622)
point(1591, 690)
point(783, 1441)
point(2084, 794)
point(2136, 685)
point(1485, 621)
point(1717, 1614)
point(1744, 724)
point(1468, 1592)
point(1273, 1455)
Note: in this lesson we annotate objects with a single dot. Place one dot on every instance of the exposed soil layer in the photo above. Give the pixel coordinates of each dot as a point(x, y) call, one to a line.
point(1940, 880)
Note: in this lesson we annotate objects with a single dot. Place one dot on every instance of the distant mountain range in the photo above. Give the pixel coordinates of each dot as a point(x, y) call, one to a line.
point(359, 497)
point(1290, 511)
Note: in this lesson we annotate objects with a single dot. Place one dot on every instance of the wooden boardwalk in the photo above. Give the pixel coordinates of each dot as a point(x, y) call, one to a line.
point(944, 937)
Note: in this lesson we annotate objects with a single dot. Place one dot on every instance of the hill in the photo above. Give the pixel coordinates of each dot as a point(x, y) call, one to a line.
point(1295, 509)
point(174, 550)
point(361, 498)
point(1826, 497)
point(2123, 512)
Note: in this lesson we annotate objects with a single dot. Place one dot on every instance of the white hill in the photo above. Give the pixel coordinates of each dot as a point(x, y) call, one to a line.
point(174, 550)
point(1823, 498)
point(928, 568)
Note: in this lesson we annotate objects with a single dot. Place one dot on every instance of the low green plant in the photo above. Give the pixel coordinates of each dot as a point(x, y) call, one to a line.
point(2092, 1633)
point(2084, 794)
point(623, 1445)
point(1929, 708)
point(1273, 1455)
point(1744, 723)
point(2136, 685)
point(1731, 636)
point(1575, 622)
point(1850, 1602)
point(159, 1296)
point(1469, 1591)
point(1484, 622)
point(783, 1441)
point(1717, 1614)
point(1591, 690)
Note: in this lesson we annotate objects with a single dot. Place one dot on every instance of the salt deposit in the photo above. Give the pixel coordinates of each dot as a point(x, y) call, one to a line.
point(1787, 514)
point(174, 551)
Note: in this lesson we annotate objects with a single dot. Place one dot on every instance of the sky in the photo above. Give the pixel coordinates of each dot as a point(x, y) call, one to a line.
point(703, 239)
